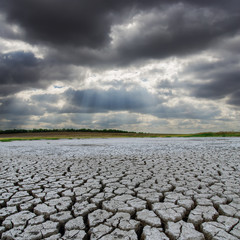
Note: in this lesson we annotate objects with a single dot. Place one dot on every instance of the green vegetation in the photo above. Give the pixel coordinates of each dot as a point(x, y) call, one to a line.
point(214, 134)
point(9, 131)
point(24, 139)
point(54, 134)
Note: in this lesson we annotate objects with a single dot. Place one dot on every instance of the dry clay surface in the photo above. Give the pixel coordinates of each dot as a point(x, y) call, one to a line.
point(149, 189)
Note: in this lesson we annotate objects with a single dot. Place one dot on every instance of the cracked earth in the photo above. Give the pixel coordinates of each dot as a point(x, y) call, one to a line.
point(148, 189)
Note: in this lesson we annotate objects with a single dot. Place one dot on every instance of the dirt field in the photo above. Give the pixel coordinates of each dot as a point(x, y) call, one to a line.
point(75, 135)
point(120, 188)
point(102, 134)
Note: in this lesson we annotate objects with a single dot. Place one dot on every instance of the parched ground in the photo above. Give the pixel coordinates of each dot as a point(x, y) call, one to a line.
point(130, 188)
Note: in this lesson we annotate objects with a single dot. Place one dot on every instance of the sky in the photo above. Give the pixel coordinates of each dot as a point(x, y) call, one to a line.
point(145, 66)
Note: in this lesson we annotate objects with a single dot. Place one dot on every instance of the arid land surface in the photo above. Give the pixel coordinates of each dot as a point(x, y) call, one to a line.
point(120, 188)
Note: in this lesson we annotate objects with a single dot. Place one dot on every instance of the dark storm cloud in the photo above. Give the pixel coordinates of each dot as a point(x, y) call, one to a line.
point(96, 100)
point(79, 31)
point(6, 31)
point(178, 30)
point(18, 71)
point(18, 67)
point(220, 87)
point(16, 106)
point(217, 80)
point(84, 23)
point(167, 30)
point(60, 22)
point(235, 98)
point(23, 70)
point(99, 35)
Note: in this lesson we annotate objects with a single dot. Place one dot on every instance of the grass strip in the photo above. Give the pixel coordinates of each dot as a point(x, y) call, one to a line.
point(87, 135)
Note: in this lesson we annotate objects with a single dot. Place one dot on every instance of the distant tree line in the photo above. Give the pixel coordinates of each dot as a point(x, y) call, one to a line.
point(61, 130)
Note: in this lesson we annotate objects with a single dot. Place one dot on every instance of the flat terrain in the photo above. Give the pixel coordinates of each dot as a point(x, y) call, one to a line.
point(38, 135)
point(67, 135)
point(120, 188)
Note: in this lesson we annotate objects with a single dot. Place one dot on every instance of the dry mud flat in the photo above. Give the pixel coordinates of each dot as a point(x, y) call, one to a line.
point(149, 189)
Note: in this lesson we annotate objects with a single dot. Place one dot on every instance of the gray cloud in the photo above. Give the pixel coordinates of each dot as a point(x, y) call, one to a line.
point(23, 70)
point(178, 30)
point(135, 101)
point(98, 109)
point(219, 87)
point(216, 80)
point(47, 102)
point(18, 67)
point(46, 98)
point(53, 120)
point(16, 112)
point(80, 32)
point(18, 71)
point(235, 98)
point(86, 23)
point(93, 34)
point(58, 22)
point(94, 100)
point(162, 31)
point(115, 120)
point(6, 30)
point(18, 107)
point(185, 110)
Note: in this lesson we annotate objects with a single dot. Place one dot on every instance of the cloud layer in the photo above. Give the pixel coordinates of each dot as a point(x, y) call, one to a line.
point(158, 64)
